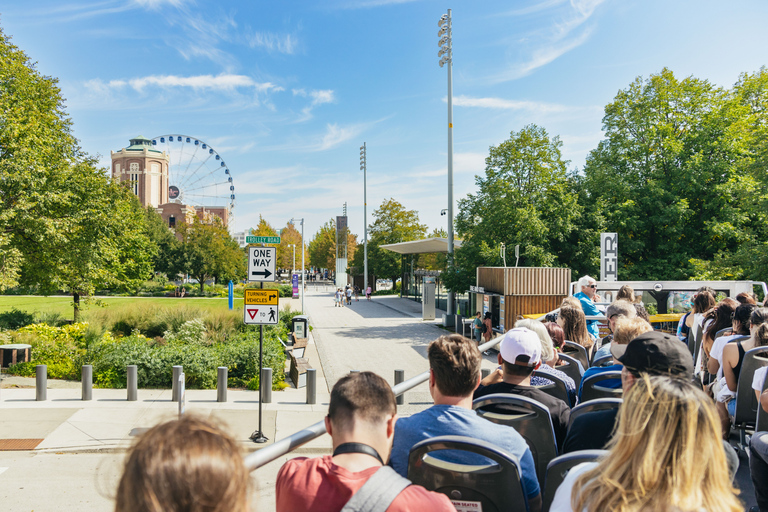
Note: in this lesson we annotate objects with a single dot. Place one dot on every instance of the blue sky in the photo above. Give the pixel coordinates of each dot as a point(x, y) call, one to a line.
point(287, 92)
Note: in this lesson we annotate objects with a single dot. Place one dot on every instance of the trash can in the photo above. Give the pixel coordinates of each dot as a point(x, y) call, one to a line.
point(300, 326)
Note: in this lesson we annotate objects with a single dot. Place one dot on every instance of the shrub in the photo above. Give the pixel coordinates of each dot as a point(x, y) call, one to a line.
point(15, 318)
point(62, 349)
point(191, 331)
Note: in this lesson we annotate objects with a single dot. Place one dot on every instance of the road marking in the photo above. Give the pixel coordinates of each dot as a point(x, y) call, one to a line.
point(2, 470)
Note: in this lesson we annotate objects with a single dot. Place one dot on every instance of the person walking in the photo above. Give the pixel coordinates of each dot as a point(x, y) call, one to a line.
point(349, 295)
point(477, 328)
point(368, 293)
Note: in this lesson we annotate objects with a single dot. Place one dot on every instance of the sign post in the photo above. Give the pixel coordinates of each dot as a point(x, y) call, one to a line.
point(261, 306)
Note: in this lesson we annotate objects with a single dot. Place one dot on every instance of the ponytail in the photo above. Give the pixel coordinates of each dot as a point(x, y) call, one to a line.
point(760, 335)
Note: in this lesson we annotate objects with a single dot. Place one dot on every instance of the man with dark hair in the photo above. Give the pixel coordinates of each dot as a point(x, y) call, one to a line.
point(454, 373)
point(361, 421)
point(520, 354)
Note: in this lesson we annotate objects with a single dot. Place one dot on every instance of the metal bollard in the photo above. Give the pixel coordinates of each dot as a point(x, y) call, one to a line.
point(399, 377)
point(311, 386)
point(86, 378)
point(266, 385)
point(133, 382)
point(221, 384)
point(485, 372)
point(175, 391)
point(41, 383)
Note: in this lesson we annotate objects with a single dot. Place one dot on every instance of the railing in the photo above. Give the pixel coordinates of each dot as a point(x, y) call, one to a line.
point(279, 448)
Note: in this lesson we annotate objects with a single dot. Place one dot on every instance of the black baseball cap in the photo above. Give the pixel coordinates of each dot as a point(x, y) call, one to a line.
point(658, 353)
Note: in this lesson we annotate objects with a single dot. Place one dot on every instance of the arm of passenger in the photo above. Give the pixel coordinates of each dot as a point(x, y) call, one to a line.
point(713, 365)
point(764, 400)
point(730, 353)
point(494, 377)
point(534, 504)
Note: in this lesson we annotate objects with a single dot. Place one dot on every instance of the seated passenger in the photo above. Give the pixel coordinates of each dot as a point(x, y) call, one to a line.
point(653, 353)
point(519, 355)
point(616, 310)
point(626, 329)
point(733, 357)
point(740, 323)
point(454, 373)
point(361, 422)
point(574, 325)
point(548, 358)
point(666, 456)
point(184, 465)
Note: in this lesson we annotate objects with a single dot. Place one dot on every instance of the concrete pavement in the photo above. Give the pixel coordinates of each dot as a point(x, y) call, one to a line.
point(77, 448)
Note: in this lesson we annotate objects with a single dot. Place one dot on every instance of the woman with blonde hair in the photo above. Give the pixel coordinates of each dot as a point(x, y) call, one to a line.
point(184, 465)
point(627, 293)
point(574, 324)
point(666, 456)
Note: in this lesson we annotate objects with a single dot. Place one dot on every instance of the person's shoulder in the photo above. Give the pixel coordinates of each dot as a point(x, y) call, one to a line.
point(415, 496)
point(296, 466)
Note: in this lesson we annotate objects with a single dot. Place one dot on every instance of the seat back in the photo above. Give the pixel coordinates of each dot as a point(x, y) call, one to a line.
point(697, 343)
point(761, 424)
point(591, 388)
point(691, 340)
point(559, 467)
point(493, 487)
point(530, 418)
point(722, 332)
point(746, 401)
point(557, 389)
point(578, 352)
point(603, 361)
point(572, 368)
point(598, 404)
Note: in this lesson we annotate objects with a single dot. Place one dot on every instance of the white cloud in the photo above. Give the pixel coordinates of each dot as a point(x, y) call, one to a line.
point(502, 104)
point(566, 33)
point(271, 42)
point(222, 82)
point(319, 97)
point(335, 135)
point(156, 4)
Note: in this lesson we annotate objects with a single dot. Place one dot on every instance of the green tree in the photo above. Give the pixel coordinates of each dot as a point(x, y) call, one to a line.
point(208, 251)
point(322, 247)
point(289, 236)
point(167, 244)
point(63, 225)
point(669, 174)
point(524, 198)
point(392, 224)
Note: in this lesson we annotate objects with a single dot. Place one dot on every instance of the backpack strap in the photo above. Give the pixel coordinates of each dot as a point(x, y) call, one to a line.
point(378, 493)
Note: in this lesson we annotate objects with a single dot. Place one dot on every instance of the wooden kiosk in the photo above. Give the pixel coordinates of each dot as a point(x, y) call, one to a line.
point(509, 292)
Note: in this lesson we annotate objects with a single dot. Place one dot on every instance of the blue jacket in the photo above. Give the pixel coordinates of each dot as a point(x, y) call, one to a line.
point(589, 309)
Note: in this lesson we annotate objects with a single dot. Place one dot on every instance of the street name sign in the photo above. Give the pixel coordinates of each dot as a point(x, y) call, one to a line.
point(262, 239)
point(261, 263)
point(261, 307)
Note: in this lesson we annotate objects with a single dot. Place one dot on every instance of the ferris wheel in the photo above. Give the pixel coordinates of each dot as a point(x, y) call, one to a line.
point(197, 174)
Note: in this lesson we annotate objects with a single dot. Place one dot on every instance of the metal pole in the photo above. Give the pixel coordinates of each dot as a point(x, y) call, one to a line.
point(365, 218)
point(175, 391)
point(449, 308)
point(399, 377)
point(41, 382)
point(132, 377)
point(302, 266)
point(221, 384)
point(265, 382)
point(86, 378)
point(258, 436)
point(311, 386)
point(182, 394)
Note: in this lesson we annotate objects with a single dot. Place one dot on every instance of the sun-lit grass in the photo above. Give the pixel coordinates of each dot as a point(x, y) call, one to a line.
point(63, 305)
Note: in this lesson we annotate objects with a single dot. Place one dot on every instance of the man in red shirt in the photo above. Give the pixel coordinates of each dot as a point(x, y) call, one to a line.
point(361, 421)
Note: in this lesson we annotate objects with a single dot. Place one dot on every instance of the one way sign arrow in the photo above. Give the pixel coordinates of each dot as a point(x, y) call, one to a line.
point(265, 274)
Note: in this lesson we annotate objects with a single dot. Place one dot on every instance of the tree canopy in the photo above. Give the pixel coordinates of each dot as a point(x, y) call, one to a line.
point(208, 251)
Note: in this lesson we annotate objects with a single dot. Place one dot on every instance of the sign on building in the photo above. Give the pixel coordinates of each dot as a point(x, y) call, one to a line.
point(261, 307)
point(261, 263)
point(609, 256)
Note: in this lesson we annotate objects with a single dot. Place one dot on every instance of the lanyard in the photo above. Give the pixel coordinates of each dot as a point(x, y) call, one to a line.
point(357, 448)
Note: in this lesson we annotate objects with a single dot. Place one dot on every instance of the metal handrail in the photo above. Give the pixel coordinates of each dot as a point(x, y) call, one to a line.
point(279, 448)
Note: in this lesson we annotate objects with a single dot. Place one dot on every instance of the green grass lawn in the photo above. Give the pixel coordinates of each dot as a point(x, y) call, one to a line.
point(63, 305)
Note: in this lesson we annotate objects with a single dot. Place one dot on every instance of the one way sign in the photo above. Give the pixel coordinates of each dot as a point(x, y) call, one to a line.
point(261, 263)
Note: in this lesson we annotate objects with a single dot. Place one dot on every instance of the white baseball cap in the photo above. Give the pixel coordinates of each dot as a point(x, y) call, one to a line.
point(519, 342)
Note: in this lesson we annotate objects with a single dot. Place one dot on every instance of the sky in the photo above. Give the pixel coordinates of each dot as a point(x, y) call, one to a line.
point(287, 92)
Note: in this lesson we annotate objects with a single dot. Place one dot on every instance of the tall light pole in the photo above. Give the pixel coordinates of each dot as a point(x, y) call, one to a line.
point(293, 221)
point(364, 168)
point(446, 53)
